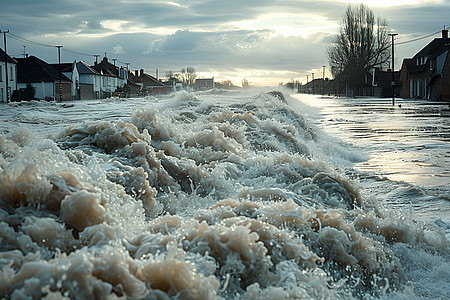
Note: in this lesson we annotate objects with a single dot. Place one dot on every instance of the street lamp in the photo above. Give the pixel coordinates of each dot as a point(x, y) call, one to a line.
point(323, 81)
point(393, 77)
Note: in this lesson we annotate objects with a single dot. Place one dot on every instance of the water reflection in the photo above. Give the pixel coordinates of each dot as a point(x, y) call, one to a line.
point(408, 142)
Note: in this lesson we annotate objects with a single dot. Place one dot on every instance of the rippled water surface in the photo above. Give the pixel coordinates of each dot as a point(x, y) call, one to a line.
point(409, 141)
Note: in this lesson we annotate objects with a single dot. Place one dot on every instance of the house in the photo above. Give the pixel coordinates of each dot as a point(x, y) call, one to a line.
point(70, 70)
point(113, 78)
point(427, 74)
point(134, 84)
point(204, 84)
point(8, 76)
point(152, 86)
point(381, 83)
point(44, 78)
point(90, 81)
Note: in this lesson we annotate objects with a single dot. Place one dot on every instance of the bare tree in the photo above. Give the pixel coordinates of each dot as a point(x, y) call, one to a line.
point(362, 44)
point(187, 76)
point(244, 83)
point(170, 74)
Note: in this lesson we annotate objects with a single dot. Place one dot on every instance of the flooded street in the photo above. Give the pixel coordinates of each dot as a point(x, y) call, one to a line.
point(246, 194)
point(407, 142)
point(408, 149)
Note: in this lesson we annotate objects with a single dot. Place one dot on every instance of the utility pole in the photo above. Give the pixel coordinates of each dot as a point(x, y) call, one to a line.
point(393, 77)
point(6, 65)
point(59, 72)
point(323, 81)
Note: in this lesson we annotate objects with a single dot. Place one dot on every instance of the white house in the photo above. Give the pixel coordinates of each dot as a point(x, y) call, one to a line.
point(90, 81)
point(8, 81)
point(112, 77)
point(44, 78)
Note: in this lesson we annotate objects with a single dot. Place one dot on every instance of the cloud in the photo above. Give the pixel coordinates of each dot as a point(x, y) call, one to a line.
point(286, 36)
point(117, 49)
point(182, 40)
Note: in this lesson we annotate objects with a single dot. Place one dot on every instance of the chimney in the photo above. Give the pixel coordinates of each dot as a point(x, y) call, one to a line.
point(142, 72)
point(136, 73)
point(445, 34)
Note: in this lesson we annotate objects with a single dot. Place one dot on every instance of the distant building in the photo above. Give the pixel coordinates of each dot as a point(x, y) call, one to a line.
point(427, 74)
point(152, 86)
point(381, 83)
point(204, 84)
point(12, 76)
point(134, 84)
point(44, 78)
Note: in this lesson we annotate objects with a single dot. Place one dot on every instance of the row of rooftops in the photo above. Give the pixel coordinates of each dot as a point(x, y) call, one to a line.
point(33, 69)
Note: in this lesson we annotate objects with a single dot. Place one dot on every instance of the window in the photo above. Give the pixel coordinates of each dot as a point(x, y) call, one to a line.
point(432, 65)
point(11, 72)
point(1, 74)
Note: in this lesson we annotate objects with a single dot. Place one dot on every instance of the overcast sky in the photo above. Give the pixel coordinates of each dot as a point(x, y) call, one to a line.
point(265, 41)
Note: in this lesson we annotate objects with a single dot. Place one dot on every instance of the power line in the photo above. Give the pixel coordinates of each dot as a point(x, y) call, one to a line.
point(21, 39)
point(419, 38)
point(76, 52)
point(18, 38)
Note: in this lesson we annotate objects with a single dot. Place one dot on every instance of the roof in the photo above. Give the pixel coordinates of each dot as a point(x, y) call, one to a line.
point(204, 80)
point(9, 58)
point(384, 78)
point(150, 80)
point(106, 68)
point(33, 69)
point(133, 78)
point(65, 67)
point(84, 68)
point(435, 48)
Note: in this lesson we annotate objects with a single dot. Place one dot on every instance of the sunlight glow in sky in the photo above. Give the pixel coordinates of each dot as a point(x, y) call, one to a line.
point(289, 24)
point(382, 3)
point(263, 41)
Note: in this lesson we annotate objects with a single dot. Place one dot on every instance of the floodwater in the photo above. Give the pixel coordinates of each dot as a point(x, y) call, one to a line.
point(249, 194)
point(407, 143)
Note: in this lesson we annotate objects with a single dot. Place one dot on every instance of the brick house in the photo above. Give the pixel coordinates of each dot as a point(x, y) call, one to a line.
point(70, 70)
point(427, 74)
